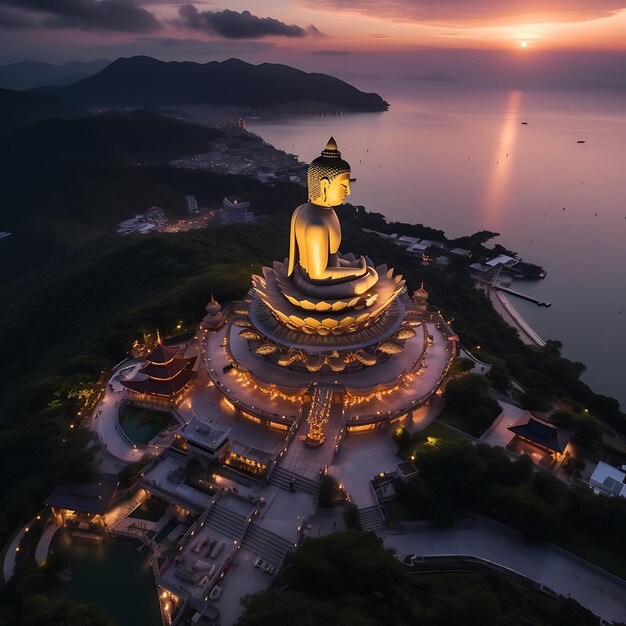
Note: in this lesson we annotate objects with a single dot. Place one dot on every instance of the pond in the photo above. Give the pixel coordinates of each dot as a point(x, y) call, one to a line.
point(142, 425)
point(112, 574)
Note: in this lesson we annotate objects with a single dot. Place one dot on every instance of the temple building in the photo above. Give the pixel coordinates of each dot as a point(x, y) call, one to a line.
point(236, 211)
point(83, 505)
point(544, 442)
point(165, 374)
point(325, 340)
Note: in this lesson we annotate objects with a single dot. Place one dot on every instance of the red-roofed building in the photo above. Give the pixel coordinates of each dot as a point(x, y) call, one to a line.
point(165, 374)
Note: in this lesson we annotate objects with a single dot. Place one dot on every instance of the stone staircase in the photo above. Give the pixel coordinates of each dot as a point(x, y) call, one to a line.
point(513, 399)
point(371, 519)
point(266, 544)
point(282, 478)
point(227, 522)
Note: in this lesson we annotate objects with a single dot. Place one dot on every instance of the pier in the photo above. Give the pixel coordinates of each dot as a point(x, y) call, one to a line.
point(522, 295)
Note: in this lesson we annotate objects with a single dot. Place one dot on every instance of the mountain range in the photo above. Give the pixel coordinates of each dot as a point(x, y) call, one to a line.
point(123, 137)
point(30, 74)
point(143, 81)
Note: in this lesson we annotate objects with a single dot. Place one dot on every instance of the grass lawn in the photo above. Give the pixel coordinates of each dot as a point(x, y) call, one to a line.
point(151, 509)
point(461, 422)
point(607, 555)
point(434, 429)
point(142, 425)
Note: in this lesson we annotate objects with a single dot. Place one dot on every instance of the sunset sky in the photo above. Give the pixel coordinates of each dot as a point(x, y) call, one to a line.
point(362, 38)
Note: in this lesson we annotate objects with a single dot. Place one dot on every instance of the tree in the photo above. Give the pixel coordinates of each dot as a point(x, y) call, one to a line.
point(460, 365)
point(451, 466)
point(329, 491)
point(464, 393)
point(401, 437)
point(537, 519)
point(500, 376)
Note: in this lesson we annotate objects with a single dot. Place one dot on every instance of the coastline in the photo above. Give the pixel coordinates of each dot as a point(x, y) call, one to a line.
point(510, 315)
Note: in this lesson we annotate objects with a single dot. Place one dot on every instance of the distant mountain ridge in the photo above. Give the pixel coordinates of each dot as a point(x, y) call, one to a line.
point(19, 108)
point(31, 74)
point(143, 81)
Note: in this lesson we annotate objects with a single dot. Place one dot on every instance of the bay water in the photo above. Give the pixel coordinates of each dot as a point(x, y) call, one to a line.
point(465, 159)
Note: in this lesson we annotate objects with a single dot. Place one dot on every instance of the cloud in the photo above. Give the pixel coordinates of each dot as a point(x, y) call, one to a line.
point(234, 25)
point(14, 19)
point(478, 12)
point(101, 15)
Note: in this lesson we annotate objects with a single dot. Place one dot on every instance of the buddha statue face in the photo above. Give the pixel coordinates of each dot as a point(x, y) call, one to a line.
point(334, 192)
point(328, 177)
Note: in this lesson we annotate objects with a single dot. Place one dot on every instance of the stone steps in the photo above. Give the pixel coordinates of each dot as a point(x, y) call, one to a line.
point(371, 519)
point(282, 478)
point(266, 544)
point(226, 521)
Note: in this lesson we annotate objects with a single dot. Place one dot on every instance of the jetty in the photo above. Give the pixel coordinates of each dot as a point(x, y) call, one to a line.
point(525, 296)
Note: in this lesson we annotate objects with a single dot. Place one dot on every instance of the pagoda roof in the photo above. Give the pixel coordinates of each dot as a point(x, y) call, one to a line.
point(541, 432)
point(156, 387)
point(168, 370)
point(162, 354)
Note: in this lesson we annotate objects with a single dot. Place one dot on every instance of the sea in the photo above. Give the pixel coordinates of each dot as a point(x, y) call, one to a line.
point(545, 169)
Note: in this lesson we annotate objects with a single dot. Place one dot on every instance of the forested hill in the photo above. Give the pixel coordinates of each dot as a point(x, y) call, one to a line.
point(139, 136)
point(144, 81)
point(18, 108)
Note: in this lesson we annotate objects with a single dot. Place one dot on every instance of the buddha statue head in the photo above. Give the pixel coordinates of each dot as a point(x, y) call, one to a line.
point(328, 177)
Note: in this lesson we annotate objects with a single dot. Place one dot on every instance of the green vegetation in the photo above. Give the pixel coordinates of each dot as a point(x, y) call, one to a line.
point(469, 407)
point(438, 430)
point(433, 432)
point(78, 295)
point(329, 491)
point(461, 365)
point(142, 425)
point(500, 376)
point(349, 578)
point(586, 434)
point(456, 477)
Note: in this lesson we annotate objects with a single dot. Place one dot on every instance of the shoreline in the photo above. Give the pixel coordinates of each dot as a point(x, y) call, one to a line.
point(510, 315)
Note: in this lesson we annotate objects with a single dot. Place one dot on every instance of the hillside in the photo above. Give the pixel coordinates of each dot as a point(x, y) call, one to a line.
point(139, 136)
point(18, 108)
point(29, 74)
point(144, 81)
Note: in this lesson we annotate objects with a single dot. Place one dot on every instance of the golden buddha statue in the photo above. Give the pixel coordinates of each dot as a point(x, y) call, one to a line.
point(315, 263)
point(320, 291)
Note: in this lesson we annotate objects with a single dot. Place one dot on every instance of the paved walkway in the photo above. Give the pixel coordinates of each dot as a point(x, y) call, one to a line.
point(566, 575)
point(105, 423)
point(43, 547)
point(509, 314)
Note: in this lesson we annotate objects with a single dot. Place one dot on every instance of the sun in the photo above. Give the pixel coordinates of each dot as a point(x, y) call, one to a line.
point(523, 44)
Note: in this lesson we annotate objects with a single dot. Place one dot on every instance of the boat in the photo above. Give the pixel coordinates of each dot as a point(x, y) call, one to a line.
point(581, 141)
